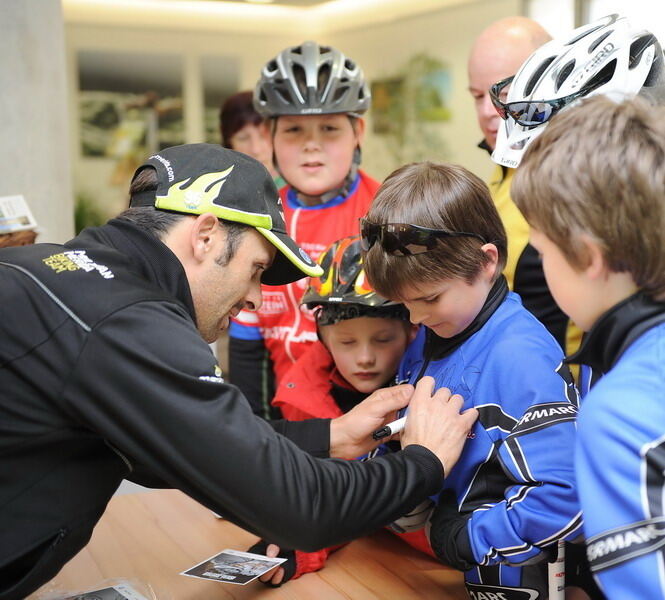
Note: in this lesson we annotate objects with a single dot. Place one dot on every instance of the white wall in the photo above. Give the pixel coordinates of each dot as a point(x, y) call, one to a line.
point(381, 50)
point(33, 104)
point(447, 34)
point(92, 175)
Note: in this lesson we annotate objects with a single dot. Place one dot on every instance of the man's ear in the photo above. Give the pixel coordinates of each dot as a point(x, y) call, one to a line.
point(204, 235)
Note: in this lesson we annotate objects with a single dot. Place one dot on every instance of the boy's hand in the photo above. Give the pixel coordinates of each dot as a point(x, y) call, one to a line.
point(434, 421)
point(351, 434)
point(279, 575)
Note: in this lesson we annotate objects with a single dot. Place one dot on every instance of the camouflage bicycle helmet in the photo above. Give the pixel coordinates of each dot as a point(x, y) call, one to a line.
point(311, 80)
point(343, 292)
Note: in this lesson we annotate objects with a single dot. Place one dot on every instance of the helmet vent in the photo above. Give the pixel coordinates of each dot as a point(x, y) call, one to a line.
point(300, 79)
point(655, 75)
point(637, 48)
point(339, 93)
point(326, 262)
point(297, 50)
point(601, 78)
point(349, 64)
point(578, 37)
point(537, 75)
point(563, 75)
point(599, 41)
point(281, 95)
point(323, 78)
point(272, 66)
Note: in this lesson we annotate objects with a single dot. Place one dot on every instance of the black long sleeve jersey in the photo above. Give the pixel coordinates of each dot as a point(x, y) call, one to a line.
point(103, 376)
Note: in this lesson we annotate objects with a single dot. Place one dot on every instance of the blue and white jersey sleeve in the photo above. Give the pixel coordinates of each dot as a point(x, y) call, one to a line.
point(245, 326)
point(620, 462)
point(533, 441)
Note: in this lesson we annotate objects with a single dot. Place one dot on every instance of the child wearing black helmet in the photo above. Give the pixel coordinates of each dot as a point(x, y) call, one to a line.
point(313, 98)
point(362, 338)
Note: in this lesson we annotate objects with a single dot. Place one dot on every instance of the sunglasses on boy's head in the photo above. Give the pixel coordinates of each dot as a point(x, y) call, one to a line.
point(403, 239)
point(530, 113)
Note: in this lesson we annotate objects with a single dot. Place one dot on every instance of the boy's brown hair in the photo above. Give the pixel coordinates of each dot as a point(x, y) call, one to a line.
point(439, 196)
point(599, 170)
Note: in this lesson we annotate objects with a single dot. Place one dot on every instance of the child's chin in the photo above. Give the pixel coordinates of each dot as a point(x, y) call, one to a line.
point(366, 387)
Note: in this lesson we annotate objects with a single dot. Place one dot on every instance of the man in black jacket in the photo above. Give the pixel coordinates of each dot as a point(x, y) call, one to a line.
point(105, 374)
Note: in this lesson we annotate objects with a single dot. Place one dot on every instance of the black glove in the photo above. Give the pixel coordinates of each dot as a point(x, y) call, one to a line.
point(289, 565)
point(448, 534)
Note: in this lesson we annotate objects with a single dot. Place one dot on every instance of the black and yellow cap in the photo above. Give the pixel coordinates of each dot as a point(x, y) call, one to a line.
point(199, 178)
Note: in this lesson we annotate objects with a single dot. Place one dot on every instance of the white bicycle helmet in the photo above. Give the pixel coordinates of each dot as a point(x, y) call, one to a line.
point(311, 80)
point(607, 57)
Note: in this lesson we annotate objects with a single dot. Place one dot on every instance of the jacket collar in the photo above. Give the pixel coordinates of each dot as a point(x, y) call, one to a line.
point(437, 347)
point(483, 145)
point(616, 330)
point(149, 257)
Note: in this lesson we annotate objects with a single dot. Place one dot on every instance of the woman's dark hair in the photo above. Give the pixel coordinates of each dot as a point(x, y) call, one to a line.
point(236, 112)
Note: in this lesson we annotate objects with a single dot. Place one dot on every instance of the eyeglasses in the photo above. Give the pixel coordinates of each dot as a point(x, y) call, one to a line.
point(531, 113)
point(403, 239)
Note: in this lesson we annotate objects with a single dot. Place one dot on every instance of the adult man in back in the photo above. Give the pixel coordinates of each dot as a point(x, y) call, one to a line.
point(106, 374)
point(497, 53)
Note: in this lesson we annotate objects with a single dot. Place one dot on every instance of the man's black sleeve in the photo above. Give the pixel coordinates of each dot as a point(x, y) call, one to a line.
point(312, 435)
point(145, 381)
point(251, 370)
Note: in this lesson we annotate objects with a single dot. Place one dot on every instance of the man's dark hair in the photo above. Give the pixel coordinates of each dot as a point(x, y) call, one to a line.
point(159, 222)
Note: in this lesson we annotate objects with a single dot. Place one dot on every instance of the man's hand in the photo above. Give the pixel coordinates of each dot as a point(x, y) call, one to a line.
point(351, 434)
point(436, 423)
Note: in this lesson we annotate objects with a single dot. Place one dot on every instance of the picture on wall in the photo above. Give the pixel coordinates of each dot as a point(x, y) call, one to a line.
point(386, 104)
point(432, 95)
point(409, 109)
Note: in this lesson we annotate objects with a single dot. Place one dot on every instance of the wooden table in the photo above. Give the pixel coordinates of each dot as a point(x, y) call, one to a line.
point(153, 536)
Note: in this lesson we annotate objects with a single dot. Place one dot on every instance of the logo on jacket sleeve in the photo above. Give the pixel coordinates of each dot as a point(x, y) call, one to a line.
point(74, 260)
point(625, 543)
point(540, 416)
point(495, 592)
point(216, 378)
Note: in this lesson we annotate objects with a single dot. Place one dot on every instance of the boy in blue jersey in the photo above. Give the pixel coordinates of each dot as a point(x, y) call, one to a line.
point(599, 223)
point(434, 241)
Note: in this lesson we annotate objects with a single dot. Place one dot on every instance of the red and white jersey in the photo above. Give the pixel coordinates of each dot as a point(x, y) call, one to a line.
point(287, 328)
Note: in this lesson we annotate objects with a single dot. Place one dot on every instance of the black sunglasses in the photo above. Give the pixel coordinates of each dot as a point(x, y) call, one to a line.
point(531, 113)
point(404, 239)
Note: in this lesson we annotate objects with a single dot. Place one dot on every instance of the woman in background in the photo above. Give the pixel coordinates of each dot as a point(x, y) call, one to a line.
point(244, 130)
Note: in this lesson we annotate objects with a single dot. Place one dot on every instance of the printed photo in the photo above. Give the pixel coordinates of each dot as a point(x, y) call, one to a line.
point(232, 566)
point(117, 592)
